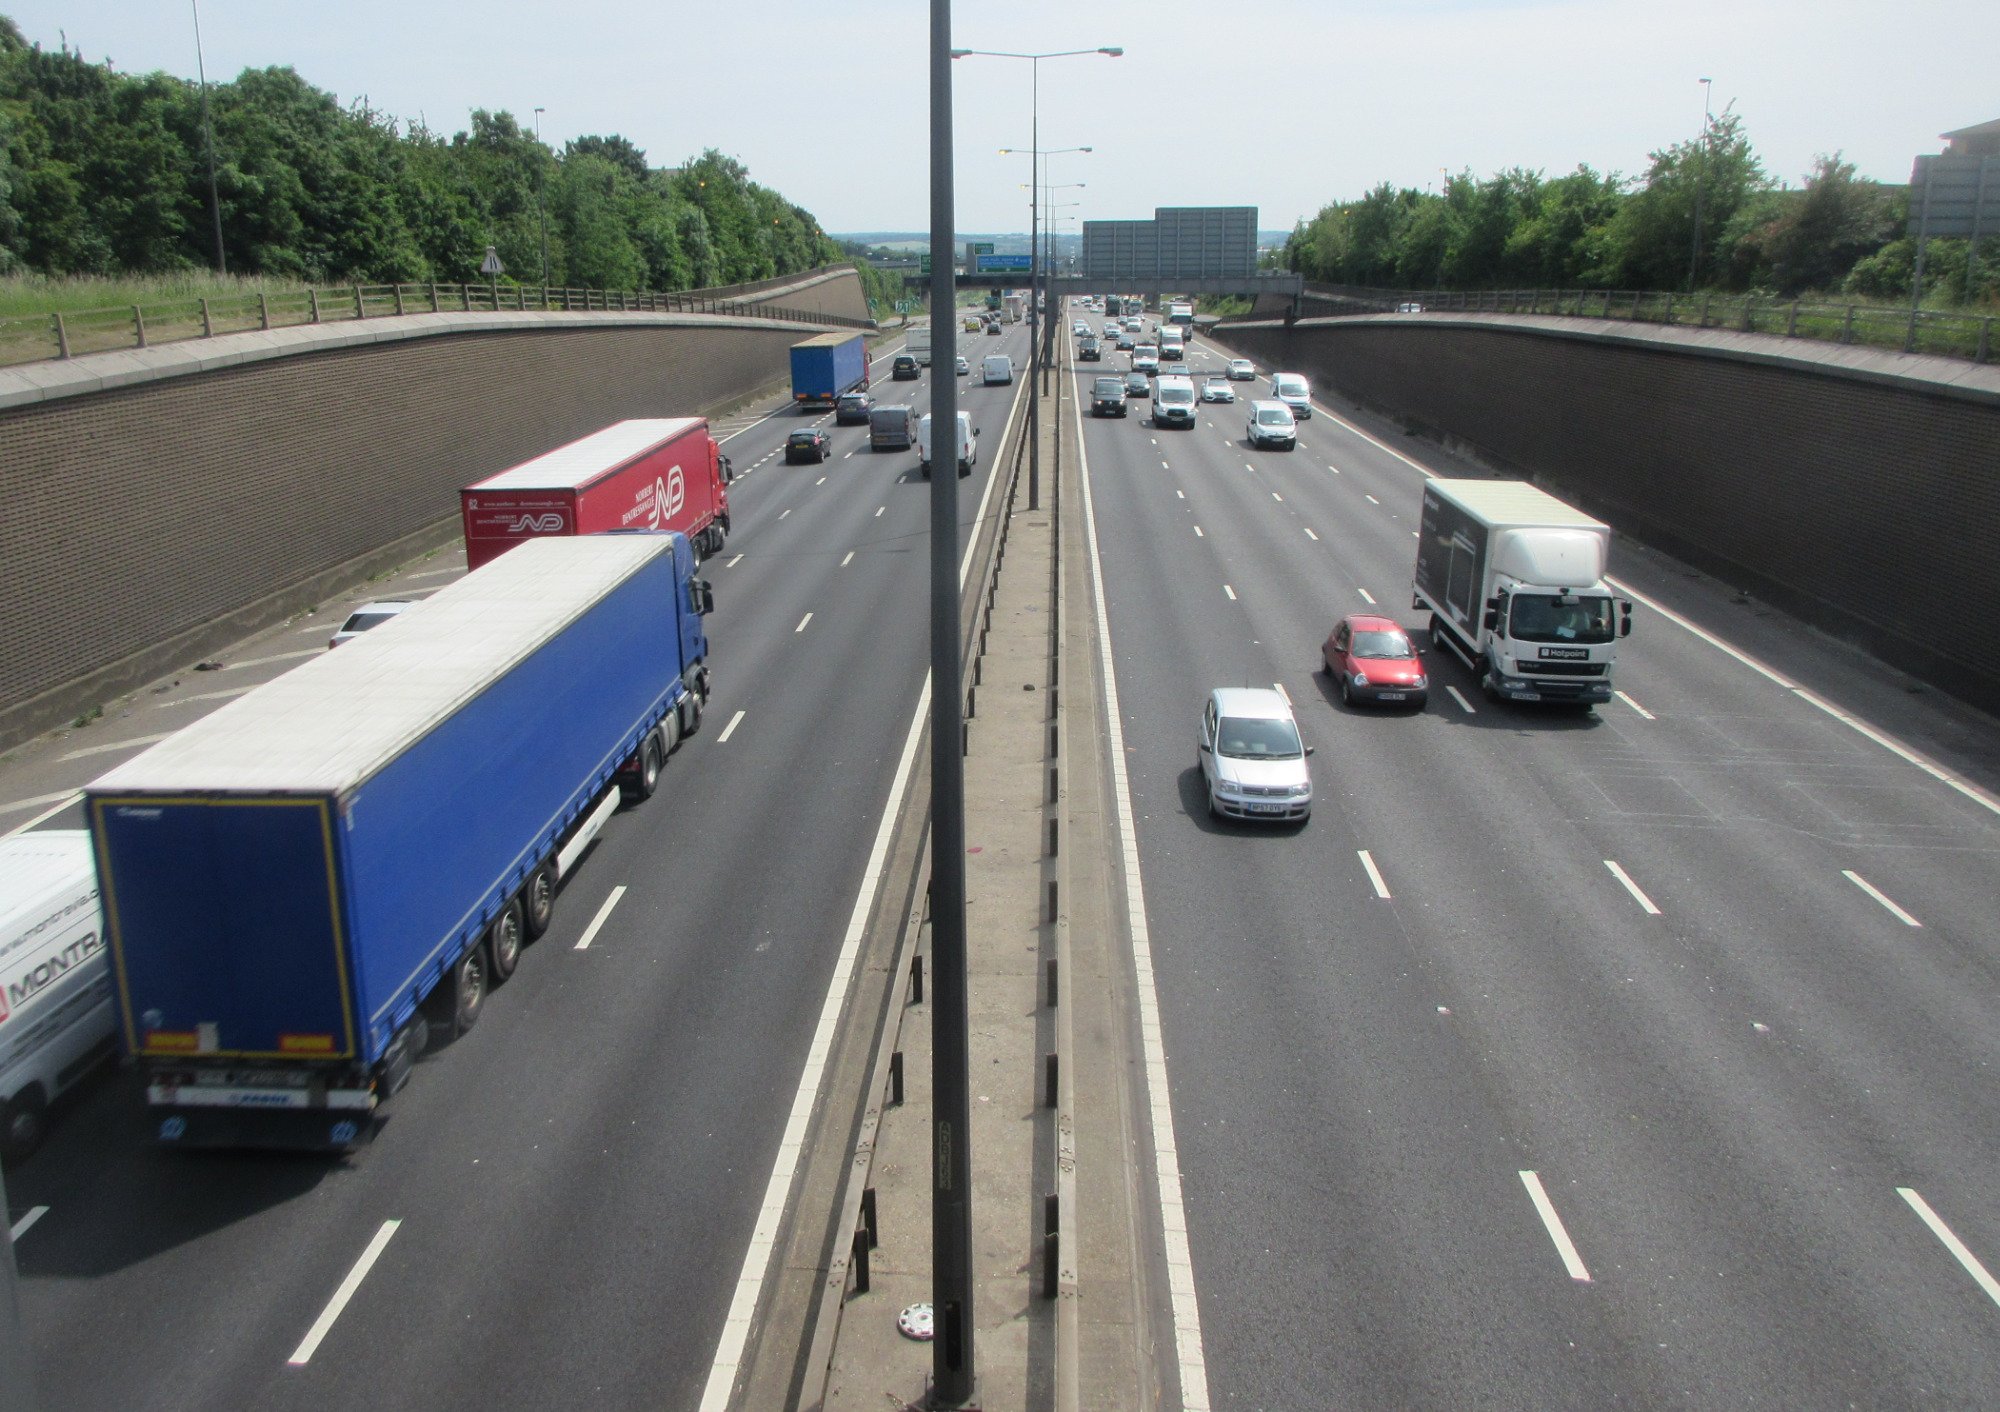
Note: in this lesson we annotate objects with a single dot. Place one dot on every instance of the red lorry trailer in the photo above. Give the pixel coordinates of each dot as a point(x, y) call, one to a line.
point(656, 473)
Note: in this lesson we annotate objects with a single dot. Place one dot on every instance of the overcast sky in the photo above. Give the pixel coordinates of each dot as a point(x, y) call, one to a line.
point(1281, 104)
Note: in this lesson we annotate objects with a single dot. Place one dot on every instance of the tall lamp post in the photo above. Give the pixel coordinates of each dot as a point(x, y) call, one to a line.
point(1034, 285)
point(541, 205)
point(1035, 155)
point(1700, 180)
point(208, 140)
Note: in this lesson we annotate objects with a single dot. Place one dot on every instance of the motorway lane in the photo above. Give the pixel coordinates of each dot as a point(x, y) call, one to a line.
point(575, 1181)
point(1731, 1188)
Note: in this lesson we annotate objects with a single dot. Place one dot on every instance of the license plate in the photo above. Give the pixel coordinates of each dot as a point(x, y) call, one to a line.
point(1267, 808)
point(1392, 696)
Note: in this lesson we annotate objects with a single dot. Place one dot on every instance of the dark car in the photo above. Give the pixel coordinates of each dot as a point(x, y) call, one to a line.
point(852, 409)
point(1373, 660)
point(1138, 385)
point(905, 368)
point(993, 327)
point(1107, 398)
point(1088, 350)
point(808, 444)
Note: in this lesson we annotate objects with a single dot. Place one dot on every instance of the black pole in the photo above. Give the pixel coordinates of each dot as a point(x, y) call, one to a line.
point(1034, 282)
point(208, 137)
point(16, 1373)
point(951, 1100)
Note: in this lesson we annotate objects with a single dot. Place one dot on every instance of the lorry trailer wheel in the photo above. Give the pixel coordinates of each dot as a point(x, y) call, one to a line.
point(504, 940)
point(24, 1124)
point(651, 756)
point(538, 901)
point(468, 990)
point(690, 714)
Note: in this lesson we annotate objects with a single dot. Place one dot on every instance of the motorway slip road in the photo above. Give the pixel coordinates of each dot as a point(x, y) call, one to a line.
point(559, 1206)
point(1644, 1056)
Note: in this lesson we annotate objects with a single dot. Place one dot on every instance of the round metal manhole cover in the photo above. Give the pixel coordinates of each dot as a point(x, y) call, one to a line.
point(916, 1322)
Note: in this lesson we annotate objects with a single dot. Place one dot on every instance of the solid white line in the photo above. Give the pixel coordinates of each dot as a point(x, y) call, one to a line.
point(274, 657)
point(1632, 887)
point(1463, 704)
point(60, 798)
point(27, 1221)
point(206, 695)
point(1310, 534)
point(848, 560)
point(802, 623)
point(1198, 534)
point(1571, 1260)
point(730, 729)
point(1166, 1152)
point(1634, 705)
point(1366, 596)
point(728, 1360)
point(302, 1355)
point(604, 910)
point(1876, 893)
point(1374, 873)
point(110, 746)
point(1706, 636)
point(1280, 688)
point(1898, 749)
point(1952, 1243)
point(1230, 591)
point(733, 562)
point(320, 628)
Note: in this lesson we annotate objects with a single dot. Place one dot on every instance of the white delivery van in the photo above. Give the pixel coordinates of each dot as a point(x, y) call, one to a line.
point(998, 367)
point(57, 1019)
point(968, 444)
point(1294, 392)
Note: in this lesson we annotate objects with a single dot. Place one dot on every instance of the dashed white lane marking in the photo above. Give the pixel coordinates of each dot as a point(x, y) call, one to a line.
point(1965, 1257)
point(27, 1221)
point(733, 562)
point(1181, 493)
point(1374, 873)
point(1280, 688)
point(1230, 591)
point(105, 749)
point(848, 560)
point(878, 511)
point(1248, 467)
point(1371, 499)
point(1277, 497)
point(206, 695)
point(611, 901)
point(1876, 893)
point(1198, 534)
point(302, 1355)
point(1634, 705)
point(822, 479)
point(1463, 704)
point(435, 573)
point(1547, 1210)
point(730, 729)
point(783, 514)
point(802, 623)
point(1310, 534)
point(274, 657)
point(56, 803)
point(1165, 467)
point(1366, 596)
point(1633, 888)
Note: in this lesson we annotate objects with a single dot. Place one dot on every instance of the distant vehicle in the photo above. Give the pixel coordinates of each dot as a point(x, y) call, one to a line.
point(827, 365)
point(1172, 348)
point(918, 342)
point(59, 1019)
point(1181, 314)
point(893, 428)
point(1111, 328)
point(1272, 424)
point(1138, 385)
point(1173, 401)
point(971, 324)
point(852, 409)
point(1253, 763)
point(1292, 390)
point(1373, 660)
point(1411, 308)
point(1079, 328)
point(968, 444)
point(807, 444)
point(993, 328)
point(1089, 350)
point(1107, 397)
point(1217, 390)
point(960, 366)
point(1134, 322)
point(1127, 340)
point(997, 368)
point(1242, 370)
point(1145, 359)
point(1017, 307)
point(905, 368)
point(368, 615)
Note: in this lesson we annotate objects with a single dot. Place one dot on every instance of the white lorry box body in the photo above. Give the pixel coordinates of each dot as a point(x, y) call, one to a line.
point(919, 344)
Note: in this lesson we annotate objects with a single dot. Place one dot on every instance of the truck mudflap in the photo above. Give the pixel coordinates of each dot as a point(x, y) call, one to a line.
point(275, 1129)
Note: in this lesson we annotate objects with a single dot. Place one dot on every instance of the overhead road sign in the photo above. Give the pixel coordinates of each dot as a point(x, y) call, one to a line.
point(993, 263)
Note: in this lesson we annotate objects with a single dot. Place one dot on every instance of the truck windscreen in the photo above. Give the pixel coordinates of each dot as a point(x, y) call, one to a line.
point(1544, 617)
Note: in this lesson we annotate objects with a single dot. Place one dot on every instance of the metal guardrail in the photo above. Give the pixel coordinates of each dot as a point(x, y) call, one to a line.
point(38, 337)
point(1969, 336)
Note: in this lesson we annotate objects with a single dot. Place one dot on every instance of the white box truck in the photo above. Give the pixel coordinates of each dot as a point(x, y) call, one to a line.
point(919, 344)
point(1514, 581)
point(57, 1019)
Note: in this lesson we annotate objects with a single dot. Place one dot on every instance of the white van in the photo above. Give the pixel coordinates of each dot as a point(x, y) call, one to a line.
point(998, 367)
point(1173, 401)
point(968, 444)
point(1171, 345)
point(1293, 391)
point(57, 1019)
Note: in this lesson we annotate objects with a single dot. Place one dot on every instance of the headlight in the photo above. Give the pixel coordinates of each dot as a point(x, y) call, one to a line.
point(1361, 678)
point(1300, 791)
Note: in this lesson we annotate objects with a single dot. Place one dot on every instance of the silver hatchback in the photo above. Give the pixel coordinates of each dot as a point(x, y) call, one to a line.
point(1253, 764)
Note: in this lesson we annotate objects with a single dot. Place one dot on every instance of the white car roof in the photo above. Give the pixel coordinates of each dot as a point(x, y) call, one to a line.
point(1256, 702)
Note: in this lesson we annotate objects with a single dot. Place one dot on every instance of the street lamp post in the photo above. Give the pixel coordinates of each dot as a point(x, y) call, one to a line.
point(1034, 282)
point(208, 140)
point(1035, 354)
point(1700, 180)
point(542, 205)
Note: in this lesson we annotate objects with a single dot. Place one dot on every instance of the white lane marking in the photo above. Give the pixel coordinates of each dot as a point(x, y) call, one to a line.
point(1547, 1209)
point(434, 573)
point(1248, 467)
point(1188, 1350)
point(134, 743)
point(728, 1360)
point(56, 802)
point(1463, 704)
point(1310, 534)
point(878, 511)
point(1898, 749)
point(1632, 887)
point(322, 628)
point(1371, 499)
point(733, 562)
point(848, 560)
point(730, 729)
point(302, 1355)
point(27, 1221)
point(1280, 688)
point(604, 910)
point(822, 479)
point(274, 657)
point(1230, 591)
point(1331, 467)
point(783, 514)
point(1155, 441)
point(1374, 873)
point(1277, 497)
point(206, 695)
point(1366, 596)
point(1634, 705)
point(1876, 893)
point(1198, 534)
point(1706, 636)
point(1965, 1257)
point(1182, 494)
point(802, 623)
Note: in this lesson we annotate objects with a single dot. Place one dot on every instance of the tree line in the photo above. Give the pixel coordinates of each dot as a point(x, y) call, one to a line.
point(107, 173)
point(1833, 233)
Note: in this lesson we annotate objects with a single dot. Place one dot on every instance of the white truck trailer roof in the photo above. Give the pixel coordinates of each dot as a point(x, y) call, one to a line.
point(36, 868)
point(1504, 504)
point(329, 724)
point(581, 462)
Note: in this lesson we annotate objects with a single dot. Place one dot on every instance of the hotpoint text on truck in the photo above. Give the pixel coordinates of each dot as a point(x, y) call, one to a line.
point(304, 886)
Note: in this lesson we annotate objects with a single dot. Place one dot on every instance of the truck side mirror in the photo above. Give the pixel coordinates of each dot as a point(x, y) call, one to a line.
point(1625, 622)
point(1491, 620)
point(707, 597)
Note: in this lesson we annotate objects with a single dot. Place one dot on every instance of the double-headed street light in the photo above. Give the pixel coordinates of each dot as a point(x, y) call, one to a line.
point(1035, 352)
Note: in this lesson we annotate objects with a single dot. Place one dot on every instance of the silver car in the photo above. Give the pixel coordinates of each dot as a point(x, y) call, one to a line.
point(1242, 370)
point(368, 615)
point(1217, 390)
point(1253, 764)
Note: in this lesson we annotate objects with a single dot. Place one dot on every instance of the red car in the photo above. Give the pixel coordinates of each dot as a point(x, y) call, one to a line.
point(1373, 660)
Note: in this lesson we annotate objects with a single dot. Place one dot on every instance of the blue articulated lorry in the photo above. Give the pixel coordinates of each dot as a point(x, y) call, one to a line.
point(825, 366)
point(308, 885)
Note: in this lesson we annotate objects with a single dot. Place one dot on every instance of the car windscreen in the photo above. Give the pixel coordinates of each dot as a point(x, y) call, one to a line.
point(804, 438)
point(1249, 738)
point(1291, 387)
point(1273, 417)
point(1175, 396)
point(1544, 617)
point(1391, 645)
point(1104, 387)
point(361, 622)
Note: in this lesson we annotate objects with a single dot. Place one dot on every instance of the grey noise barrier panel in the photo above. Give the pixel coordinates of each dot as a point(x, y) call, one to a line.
point(200, 493)
point(1856, 489)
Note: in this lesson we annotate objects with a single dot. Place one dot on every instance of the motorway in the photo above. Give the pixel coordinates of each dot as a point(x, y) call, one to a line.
point(1638, 1057)
point(559, 1206)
